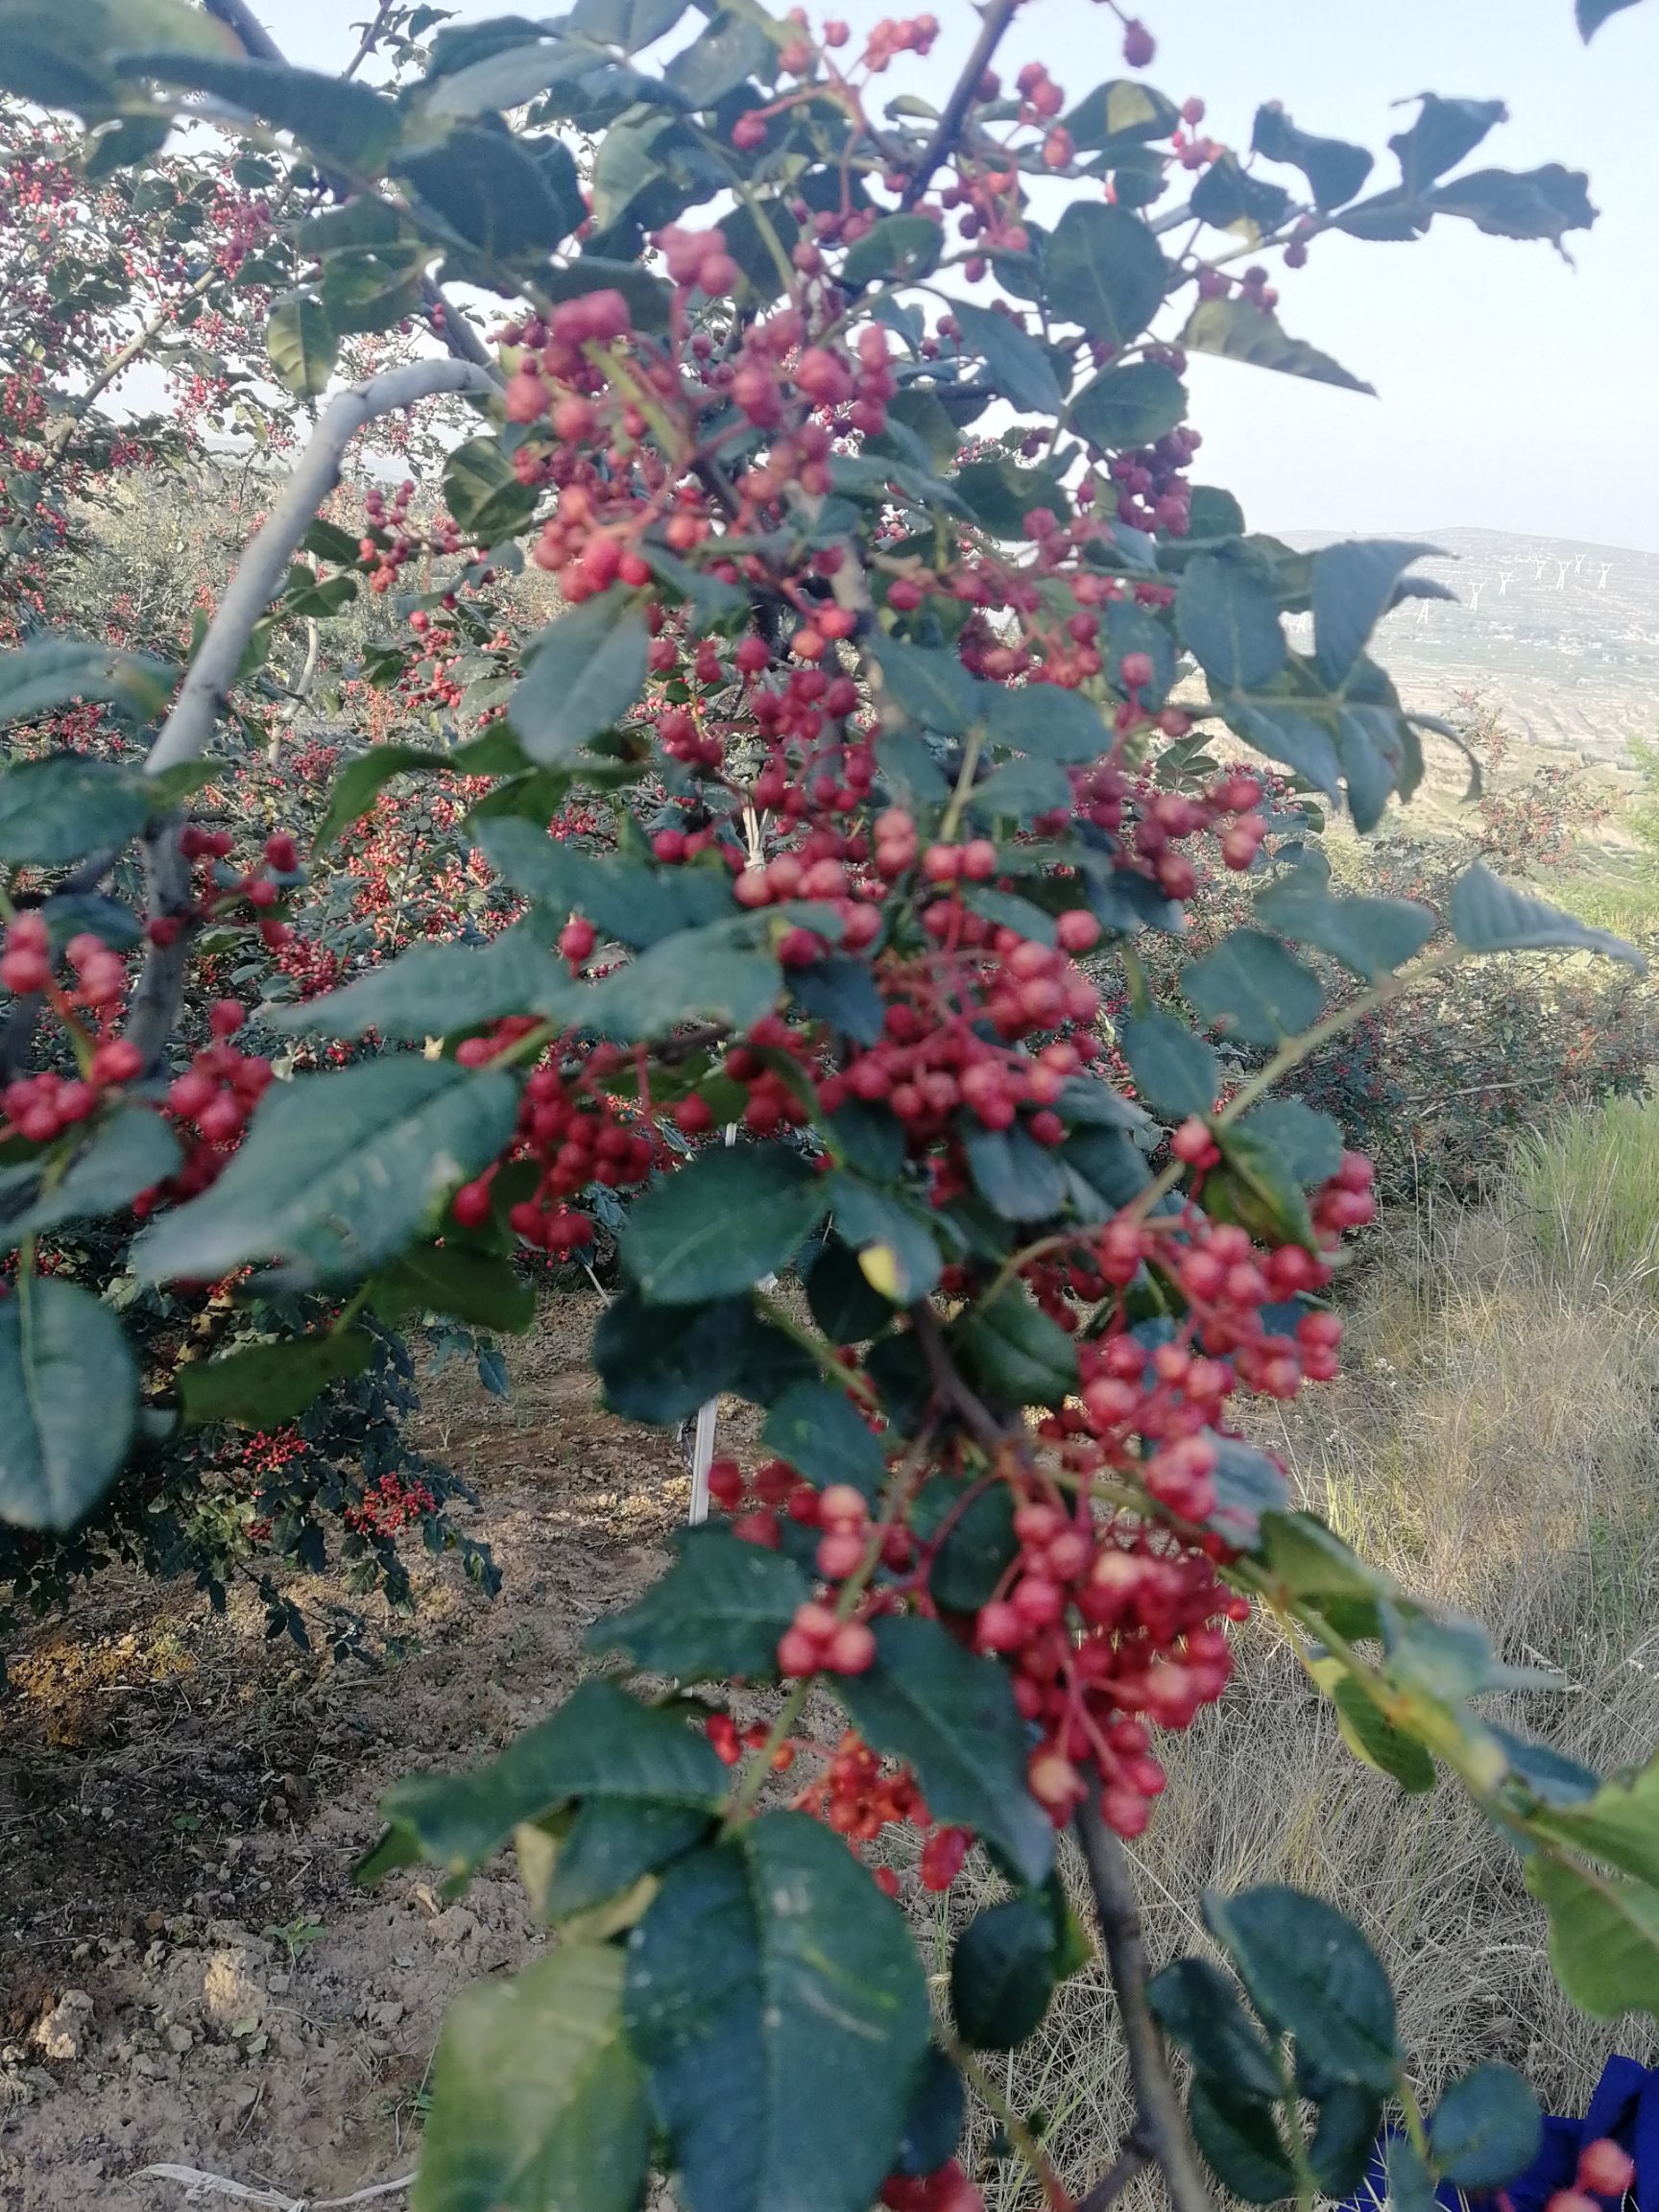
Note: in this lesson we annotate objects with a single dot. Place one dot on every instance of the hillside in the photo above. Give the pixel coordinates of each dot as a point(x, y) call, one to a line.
point(1564, 636)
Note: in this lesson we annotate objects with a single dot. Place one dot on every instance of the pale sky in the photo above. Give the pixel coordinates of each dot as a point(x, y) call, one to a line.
point(1515, 393)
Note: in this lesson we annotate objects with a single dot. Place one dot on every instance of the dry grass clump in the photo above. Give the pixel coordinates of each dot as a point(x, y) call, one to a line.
point(1493, 1444)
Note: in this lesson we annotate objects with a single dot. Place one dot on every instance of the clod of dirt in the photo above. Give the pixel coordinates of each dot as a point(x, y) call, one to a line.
point(61, 2032)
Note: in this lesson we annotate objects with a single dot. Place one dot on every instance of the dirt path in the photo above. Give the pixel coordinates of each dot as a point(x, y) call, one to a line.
point(187, 1973)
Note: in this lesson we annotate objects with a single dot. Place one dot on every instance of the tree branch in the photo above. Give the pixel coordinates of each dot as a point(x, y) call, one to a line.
point(1116, 2177)
point(1159, 2126)
point(999, 14)
point(187, 730)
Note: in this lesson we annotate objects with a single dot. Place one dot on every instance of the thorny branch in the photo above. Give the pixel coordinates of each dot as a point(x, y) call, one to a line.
point(939, 148)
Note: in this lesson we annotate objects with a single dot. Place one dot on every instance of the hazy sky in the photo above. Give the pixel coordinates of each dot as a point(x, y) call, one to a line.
point(1515, 393)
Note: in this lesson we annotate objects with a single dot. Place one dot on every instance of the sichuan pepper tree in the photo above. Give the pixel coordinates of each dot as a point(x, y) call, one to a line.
point(903, 654)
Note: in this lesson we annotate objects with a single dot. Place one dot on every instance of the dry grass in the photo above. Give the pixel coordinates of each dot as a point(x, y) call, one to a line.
point(1493, 1444)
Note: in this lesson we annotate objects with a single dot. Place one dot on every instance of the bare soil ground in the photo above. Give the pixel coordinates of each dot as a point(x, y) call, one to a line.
point(187, 1973)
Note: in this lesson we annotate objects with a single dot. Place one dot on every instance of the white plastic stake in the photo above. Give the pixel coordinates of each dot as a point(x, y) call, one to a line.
point(707, 1414)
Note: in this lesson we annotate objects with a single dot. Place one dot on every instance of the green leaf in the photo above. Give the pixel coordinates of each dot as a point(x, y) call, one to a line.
point(52, 669)
point(68, 1401)
point(1444, 131)
point(1619, 1823)
point(339, 1171)
point(634, 900)
point(1248, 1486)
point(697, 974)
point(360, 783)
point(841, 991)
point(480, 1288)
point(1229, 623)
point(1240, 2142)
point(719, 1224)
point(1104, 268)
point(951, 1714)
point(1238, 331)
point(302, 342)
point(896, 248)
point(768, 1962)
point(842, 1301)
point(1173, 1069)
point(933, 2123)
point(587, 672)
point(604, 1850)
point(336, 117)
point(1370, 1737)
point(660, 1364)
point(131, 1151)
point(718, 1612)
point(1354, 586)
point(1372, 936)
point(1050, 722)
point(630, 24)
point(1012, 1349)
point(978, 1545)
point(1310, 1144)
point(601, 1743)
point(1603, 1936)
point(1123, 112)
point(1252, 987)
point(1486, 2129)
point(898, 1254)
point(491, 191)
point(482, 493)
point(929, 685)
point(1199, 2008)
point(537, 2100)
point(1345, 2138)
point(1022, 1178)
point(1487, 916)
point(58, 809)
point(434, 989)
point(824, 1437)
point(1018, 367)
point(1229, 198)
point(1002, 1974)
point(1591, 15)
point(1335, 170)
point(647, 295)
point(1312, 1975)
point(1129, 406)
point(1544, 203)
point(730, 50)
point(270, 1384)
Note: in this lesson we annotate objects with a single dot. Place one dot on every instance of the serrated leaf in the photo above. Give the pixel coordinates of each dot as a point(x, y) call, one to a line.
point(1022, 1178)
point(1013, 1350)
point(1048, 722)
point(336, 117)
point(491, 191)
point(601, 1743)
point(68, 1401)
point(1002, 1974)
point(696, 973)
point(1368, 1735)
point(949, 1713)
point(1372, 936)
point(1199, 2008)
point(1444, 132)
point(1229, 623)
point(302, 343)
point(537, 2099)
point(1173, 1069)
point(1104, 268)
point(1238, 331)
point(1488, 916)
point(659, 1364)
point(1335, 170)
point(1591, 15)
point(1310, 1144)
point(1354, 586)
point(1018, 367)
point(482, 493)
point(1486, 2129)
point(55, 809)
point(1129, 406)
point(53, 668)
point(480, 1288)
point(587, 672)
point(1619, 1823)
point(719, 1224)
point(718, 1612)
point(775, 1956)
point(824, 1437)
point(897, 248)
point(360, 783)
point(1603, 1936)
point(434, 989)
point(131, 1152)
point(270, 1383)
point(1311, 1974)
point(1252, 987)
point(338, 1172)
point(898, 1254)
point(731, 49)
point(929, 685)
point(1240, 2142)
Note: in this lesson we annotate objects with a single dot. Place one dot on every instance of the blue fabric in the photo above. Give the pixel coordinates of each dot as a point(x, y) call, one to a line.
point(1626, 2108)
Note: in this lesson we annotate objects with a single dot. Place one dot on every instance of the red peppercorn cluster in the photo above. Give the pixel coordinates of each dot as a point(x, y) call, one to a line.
point(40, 1107)
point(1606, 2174)
point(214, 1098)
point(570, 1133)
point(389, 1504)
